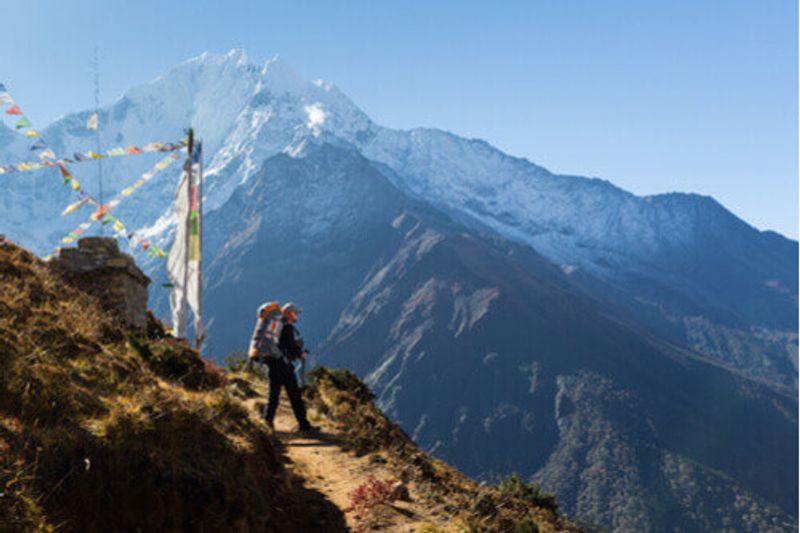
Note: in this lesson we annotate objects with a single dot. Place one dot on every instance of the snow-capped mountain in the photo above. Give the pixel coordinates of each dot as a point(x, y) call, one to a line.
point(427, 261)
point(679, 262)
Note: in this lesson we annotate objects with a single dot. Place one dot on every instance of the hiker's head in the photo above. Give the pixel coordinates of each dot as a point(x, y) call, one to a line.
point(291, 312)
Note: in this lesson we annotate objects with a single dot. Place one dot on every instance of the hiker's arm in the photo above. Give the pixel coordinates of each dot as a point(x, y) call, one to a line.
point(288, 344)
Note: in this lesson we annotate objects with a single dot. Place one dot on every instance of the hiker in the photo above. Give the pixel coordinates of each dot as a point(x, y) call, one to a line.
point(277, 342)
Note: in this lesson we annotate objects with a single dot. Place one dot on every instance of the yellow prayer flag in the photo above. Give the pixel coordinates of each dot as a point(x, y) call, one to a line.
point(31, 133)
point(75, 184)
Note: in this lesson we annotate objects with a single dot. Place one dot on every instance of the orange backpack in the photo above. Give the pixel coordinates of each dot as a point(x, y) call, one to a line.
point(267, 334)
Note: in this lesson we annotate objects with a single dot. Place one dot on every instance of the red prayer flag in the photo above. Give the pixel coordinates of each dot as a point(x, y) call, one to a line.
point(145, 245)
point(64, 171)
point(14, 110)
point(133, 150)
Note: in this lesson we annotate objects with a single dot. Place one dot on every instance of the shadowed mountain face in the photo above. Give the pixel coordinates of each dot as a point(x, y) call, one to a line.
point(494, 359)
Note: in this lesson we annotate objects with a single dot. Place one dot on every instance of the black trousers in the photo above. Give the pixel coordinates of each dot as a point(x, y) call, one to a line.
point(281, 374)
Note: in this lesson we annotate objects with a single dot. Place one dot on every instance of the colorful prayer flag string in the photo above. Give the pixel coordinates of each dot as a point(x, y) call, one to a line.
point(80, 157)
point(48, 160)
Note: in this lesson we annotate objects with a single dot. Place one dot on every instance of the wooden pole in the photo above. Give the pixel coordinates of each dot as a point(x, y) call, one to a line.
point(199, 336)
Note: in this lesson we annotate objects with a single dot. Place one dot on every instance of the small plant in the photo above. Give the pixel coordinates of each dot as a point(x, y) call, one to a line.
point(526, 525)
point(516, 488)
point(368, 496)
point(342, 379)
point(215, 377)
point(235, 361)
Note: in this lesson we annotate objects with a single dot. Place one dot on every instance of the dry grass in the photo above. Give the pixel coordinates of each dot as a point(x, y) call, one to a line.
point(103, 430)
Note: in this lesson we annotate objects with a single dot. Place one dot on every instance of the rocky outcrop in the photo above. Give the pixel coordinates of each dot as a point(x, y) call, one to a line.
point(98, 267)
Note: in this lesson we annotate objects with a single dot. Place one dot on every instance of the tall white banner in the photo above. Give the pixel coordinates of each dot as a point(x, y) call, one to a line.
point(184, 264)
point(177, 262)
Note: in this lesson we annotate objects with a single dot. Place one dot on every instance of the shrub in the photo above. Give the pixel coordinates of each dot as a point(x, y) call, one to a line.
point(368, 496)
point(516, 488)
point(343, 380)
point(526, 525)
point(215, 377)
point(235, 361)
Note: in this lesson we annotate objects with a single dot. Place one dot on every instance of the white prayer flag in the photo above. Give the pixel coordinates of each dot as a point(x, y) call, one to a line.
point(92, 122)
point(178, 260)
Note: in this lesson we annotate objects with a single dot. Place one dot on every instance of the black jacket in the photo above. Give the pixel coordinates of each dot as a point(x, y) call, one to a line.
point(290, 343)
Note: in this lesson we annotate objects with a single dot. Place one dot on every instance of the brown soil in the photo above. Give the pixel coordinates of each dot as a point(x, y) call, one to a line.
point(324, 465)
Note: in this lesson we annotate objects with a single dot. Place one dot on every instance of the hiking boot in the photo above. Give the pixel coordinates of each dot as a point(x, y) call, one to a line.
point(309, 430)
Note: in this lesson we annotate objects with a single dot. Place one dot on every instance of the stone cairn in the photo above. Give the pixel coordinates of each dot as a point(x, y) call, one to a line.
point(98, 267)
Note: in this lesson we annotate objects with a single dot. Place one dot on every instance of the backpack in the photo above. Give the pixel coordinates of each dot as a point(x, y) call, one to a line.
point(267, 333)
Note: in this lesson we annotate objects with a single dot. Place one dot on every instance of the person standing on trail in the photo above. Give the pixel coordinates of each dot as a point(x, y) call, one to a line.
point(281, 370)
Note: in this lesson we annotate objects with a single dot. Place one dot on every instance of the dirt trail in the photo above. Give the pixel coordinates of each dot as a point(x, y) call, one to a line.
point(326, 467)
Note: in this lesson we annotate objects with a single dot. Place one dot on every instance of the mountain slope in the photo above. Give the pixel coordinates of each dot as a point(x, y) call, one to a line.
point(468, 346)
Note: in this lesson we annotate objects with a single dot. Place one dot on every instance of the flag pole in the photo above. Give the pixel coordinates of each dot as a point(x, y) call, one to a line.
point(188, 167)
point(199, 332)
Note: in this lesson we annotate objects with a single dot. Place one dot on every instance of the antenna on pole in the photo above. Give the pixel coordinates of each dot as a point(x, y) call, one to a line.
point(96, 68)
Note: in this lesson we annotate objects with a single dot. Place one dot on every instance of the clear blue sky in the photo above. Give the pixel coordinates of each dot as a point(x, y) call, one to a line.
point(655, 96)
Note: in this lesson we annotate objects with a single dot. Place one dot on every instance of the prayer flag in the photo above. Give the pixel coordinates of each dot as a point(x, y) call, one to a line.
point(23, 123)
point(92, 122)
point(47, 154)
point(64, 172)
point(183, 264)
point(71, 208)
point(133, 150)
point(37, 145)
point(31, 133)
point(5, 99)
point(14, 110)
point(81, 157)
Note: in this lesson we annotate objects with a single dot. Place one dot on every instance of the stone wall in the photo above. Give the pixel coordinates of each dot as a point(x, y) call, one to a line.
point(98, 267)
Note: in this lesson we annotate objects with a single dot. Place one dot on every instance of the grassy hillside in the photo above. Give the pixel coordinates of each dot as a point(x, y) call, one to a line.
point(101, 429)
point(104, 429)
